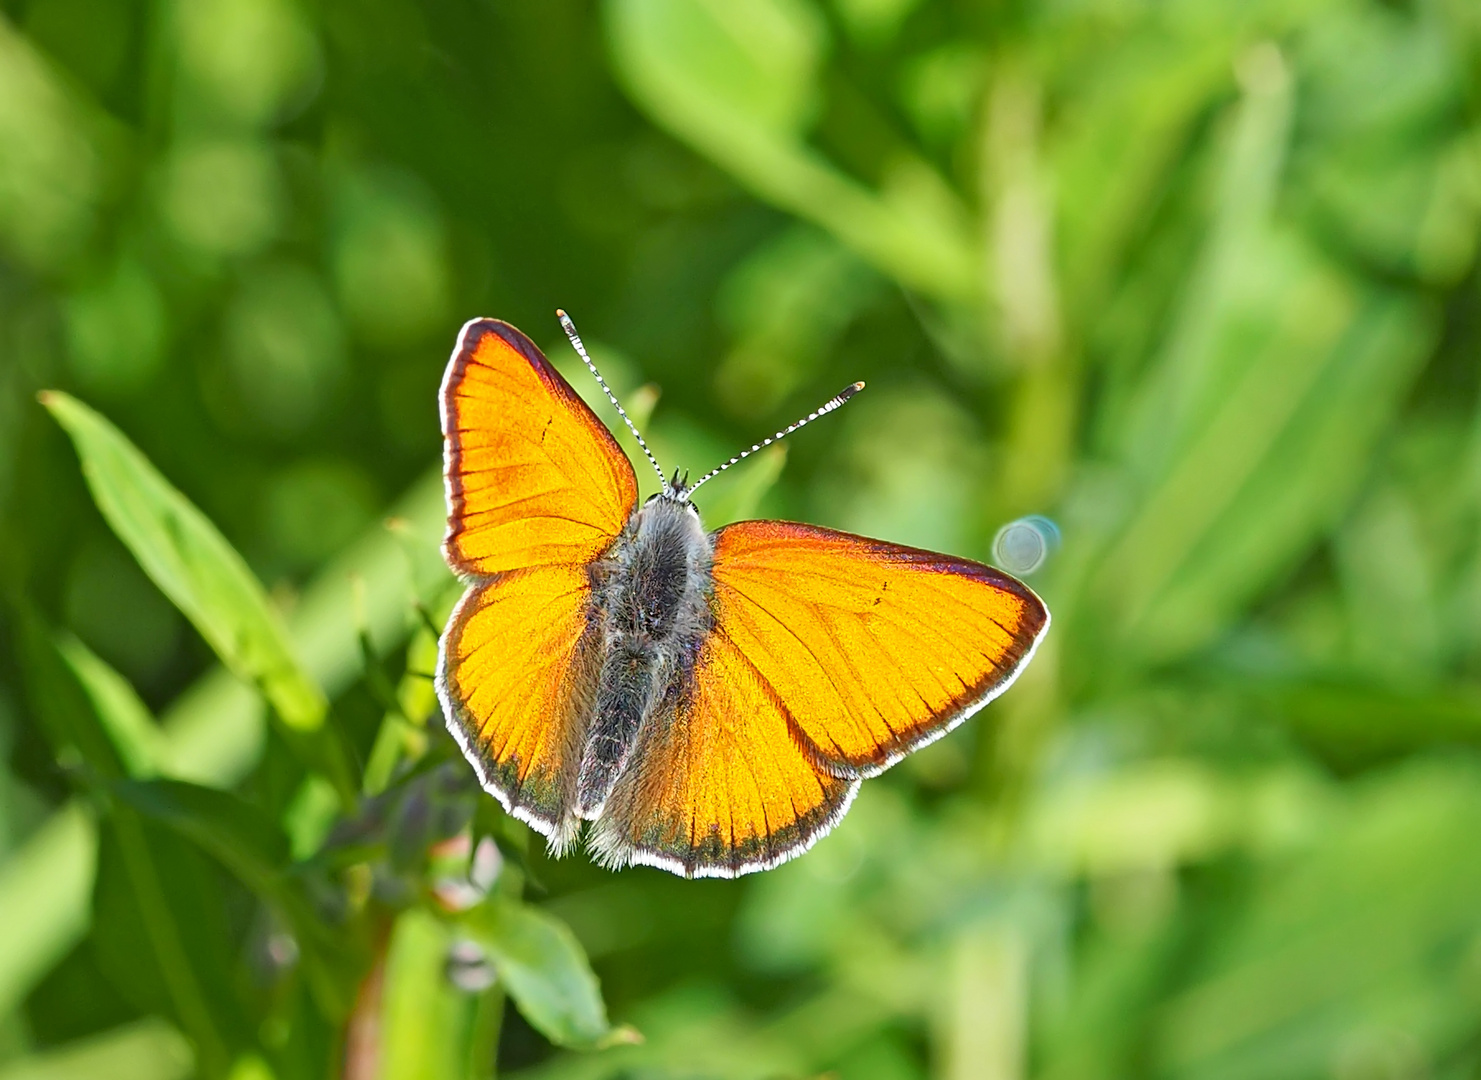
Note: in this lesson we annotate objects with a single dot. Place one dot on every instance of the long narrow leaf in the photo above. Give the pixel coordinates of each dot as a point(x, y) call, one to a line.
point(735, 80)
point(44, 892)
point(191, 562)
point(254, 849)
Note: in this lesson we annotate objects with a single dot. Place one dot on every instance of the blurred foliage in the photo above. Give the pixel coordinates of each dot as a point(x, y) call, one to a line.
point(1195, 279)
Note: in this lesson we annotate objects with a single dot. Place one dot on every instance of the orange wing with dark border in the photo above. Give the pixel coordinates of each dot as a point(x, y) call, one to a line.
point(831, 657)
point(517, 675)
point(537, 489)
point(722, 783)
point(873, 649)
point(533, 477)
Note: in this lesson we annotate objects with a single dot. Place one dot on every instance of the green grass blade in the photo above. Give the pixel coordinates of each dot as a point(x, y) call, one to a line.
point(215, 735)
point(426, 1021)
point(255, 850)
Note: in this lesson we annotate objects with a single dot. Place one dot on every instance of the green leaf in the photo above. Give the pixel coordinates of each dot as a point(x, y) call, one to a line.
point(545, 971)
point(310, 815)
point(736, 80)
point(146, 1050)
point(191, 562)
point(160, 934)
point(68, 718)
point(1363, 934)
point(215, 731)
point(1275, 465)
point(138, 740)
point(233, 830)
point(45, 888)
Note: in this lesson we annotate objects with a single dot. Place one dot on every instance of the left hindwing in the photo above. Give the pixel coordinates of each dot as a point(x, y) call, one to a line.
point(873, 649)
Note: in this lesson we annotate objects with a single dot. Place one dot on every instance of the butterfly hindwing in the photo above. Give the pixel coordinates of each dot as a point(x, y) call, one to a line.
point(873, 648)
point(720, 783)
point(517, 676)
point(533, 477)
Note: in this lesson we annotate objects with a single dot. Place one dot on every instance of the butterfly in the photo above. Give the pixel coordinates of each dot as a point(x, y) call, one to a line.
point(708, 701)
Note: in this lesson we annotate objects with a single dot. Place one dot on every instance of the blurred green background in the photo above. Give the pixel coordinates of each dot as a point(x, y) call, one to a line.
point(1195, 278)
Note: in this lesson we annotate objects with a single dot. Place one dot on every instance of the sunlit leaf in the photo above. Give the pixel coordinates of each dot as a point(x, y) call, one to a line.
point(431, 1028)
point(144, 1050)
point(45, 888)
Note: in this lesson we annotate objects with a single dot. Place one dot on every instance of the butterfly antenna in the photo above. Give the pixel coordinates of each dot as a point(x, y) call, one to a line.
point(570, 328)
point(822, 410)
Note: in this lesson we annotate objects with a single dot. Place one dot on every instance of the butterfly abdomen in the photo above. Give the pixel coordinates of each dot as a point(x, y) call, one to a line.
point(651, 593)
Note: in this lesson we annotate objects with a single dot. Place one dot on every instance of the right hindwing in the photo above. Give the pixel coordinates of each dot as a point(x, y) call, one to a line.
point(517, 675)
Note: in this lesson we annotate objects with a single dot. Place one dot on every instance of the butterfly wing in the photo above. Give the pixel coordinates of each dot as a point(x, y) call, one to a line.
point(537, 489)
point(831, 657)
point(533, 477)
point(875, 649)
point(517, 674)
point(721, 782)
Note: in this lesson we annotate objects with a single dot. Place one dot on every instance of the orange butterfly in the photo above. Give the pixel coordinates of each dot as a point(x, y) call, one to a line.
point(709, 701)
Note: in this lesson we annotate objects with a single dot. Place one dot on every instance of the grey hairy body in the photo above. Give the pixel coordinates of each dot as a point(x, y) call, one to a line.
point(651, 595)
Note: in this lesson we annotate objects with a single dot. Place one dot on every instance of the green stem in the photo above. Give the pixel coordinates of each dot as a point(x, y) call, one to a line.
point(169, 951)
point(483, 1042)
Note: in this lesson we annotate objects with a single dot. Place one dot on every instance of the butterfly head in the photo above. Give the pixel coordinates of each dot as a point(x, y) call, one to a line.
point(675, 490)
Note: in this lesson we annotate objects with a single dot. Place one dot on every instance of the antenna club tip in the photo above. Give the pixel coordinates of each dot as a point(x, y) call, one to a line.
point(849, 391)
point(560, 313)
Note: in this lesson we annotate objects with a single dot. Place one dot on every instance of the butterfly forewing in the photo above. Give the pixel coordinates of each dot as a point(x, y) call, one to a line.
point(872, 648)
point(533, 477)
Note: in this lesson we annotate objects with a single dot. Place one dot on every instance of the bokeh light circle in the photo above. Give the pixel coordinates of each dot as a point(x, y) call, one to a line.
point(1023, 546)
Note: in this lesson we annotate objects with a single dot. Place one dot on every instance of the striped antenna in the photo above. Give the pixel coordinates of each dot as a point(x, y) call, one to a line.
point(822, 410)
point(570, 328)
